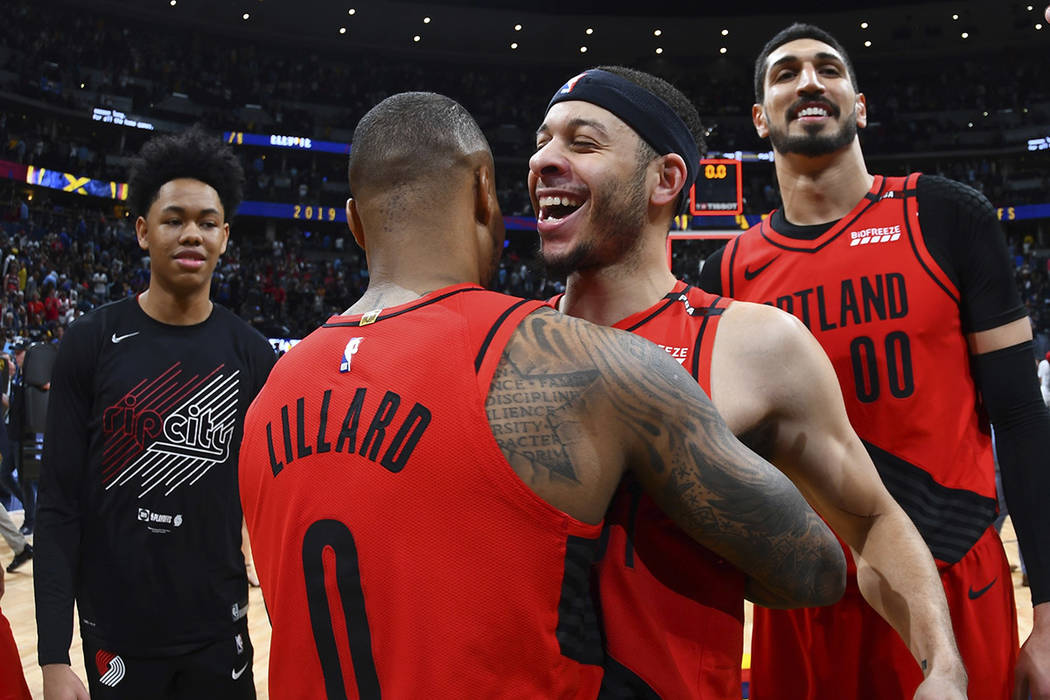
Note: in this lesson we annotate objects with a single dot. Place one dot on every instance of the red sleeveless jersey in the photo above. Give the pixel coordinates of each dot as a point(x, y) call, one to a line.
point(398, 551)
point(672, 611)
point(888, 317)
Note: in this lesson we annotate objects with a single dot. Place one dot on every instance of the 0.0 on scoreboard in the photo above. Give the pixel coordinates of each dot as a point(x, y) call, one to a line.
point(718, 190)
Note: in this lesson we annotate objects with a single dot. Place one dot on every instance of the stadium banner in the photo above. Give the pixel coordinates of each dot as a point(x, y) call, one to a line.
point(12, 171)
point(297, 143)
point(1024, 211)
point(67, 182)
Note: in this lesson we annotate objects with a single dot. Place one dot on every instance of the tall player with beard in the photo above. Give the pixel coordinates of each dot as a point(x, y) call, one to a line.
point(616, 153)
point(140, 521)
point(424, 477)
point(907, 285)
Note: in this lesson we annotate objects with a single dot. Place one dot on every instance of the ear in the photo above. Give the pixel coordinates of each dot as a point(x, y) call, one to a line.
point(225, 237)
point(862, 110)
point(758, 118)
point(353, 222)
point(671, 178)
point(485, 203)
point(141, 231)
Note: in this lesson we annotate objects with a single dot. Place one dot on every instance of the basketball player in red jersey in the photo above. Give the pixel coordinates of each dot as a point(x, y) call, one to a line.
point(424, 477)
point(906, 284)
point(12, 680)
point(616, 153)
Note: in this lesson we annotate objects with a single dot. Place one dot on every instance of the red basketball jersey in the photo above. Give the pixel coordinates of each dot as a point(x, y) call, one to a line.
point(397, 549)
point(672, 611)
point(888, 317)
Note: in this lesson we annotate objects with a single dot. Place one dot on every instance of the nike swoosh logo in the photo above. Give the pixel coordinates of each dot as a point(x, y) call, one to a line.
point(974, 595)
point(750, 274)
point(117, 338)
point(238, 674)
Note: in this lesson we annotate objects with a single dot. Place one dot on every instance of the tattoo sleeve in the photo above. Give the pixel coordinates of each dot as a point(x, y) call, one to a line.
point(568, 393)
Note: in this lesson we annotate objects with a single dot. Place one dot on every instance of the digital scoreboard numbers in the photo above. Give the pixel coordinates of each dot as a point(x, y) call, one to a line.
point(718, 189)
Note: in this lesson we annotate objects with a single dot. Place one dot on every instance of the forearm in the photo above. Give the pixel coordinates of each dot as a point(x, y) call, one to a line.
point(1022, 438)
point(898, 578)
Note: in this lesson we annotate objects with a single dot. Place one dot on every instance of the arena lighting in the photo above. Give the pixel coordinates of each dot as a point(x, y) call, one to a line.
point(426, 20)
point(1038, 26)
point(245, 16)
point(416, 38)
point(867, 43)
point(965, 35)
point(657, 32)
point(863, 25)
point(517, 27)
point(955, 17)
point(514, 45)
point(173, 3)
point(725, 32)
point(583, 49)
point(342, 30)
point(351, 11)
point(589, 31)
point(659, 50)
point(722, 50)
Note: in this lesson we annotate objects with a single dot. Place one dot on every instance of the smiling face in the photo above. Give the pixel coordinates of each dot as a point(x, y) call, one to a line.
point(810, 106)
point(588, 187)
point(185, 232)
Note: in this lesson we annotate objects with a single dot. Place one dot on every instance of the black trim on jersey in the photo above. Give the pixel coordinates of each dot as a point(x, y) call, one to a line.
point(352, 324)
point(621, 683)
point(670, 297)
point(950, 520)
point(711, 311)
point(492, 334)
point(578, 631)
point(915, 250)
point(635, 489)
point(732, 268)
point(769, 222)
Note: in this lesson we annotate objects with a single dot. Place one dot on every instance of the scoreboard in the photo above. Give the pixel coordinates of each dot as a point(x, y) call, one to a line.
point(718, 188)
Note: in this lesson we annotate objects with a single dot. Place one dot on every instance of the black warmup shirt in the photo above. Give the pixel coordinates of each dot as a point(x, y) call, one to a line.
point(139, 514)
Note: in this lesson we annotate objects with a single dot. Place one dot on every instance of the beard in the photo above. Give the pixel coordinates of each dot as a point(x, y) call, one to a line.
point(812, 145)
point(617, 217)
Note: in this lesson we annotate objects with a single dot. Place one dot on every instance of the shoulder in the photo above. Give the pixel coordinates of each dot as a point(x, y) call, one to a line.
point(942, 192)
point(763, 349)
point(95, 324)
point(554, 341)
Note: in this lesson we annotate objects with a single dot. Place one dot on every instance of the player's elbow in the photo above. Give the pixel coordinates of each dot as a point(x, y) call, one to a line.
point(829, 573)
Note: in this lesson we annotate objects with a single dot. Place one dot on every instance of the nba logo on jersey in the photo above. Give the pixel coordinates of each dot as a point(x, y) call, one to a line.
point(349, 352)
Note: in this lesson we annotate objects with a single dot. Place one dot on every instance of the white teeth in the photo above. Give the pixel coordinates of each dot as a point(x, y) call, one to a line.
point(813, 112)
point(558, 201)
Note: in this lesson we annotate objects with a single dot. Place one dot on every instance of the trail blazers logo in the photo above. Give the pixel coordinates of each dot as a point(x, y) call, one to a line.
point(170, 430)
point(110, 668)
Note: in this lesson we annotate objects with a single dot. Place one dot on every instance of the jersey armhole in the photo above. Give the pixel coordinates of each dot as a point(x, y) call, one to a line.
point(918, 242)
point(491, 350)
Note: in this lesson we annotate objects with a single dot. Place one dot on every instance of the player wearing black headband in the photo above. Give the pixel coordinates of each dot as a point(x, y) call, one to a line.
point(606, 180)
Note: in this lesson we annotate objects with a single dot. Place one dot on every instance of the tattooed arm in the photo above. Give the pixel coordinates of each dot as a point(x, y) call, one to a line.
point(573, 405)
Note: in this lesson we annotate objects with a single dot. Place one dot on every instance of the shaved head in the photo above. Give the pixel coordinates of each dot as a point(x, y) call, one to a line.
point(411, 140)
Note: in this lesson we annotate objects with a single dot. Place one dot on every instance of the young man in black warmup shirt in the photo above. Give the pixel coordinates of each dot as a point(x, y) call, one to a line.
point(139, 518)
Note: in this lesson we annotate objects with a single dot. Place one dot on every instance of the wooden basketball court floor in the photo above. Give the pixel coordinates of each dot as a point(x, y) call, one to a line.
point(18, 607)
